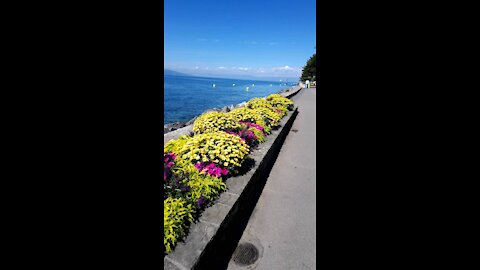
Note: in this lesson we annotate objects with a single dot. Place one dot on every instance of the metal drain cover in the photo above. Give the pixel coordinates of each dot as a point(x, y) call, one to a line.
point(245, 254)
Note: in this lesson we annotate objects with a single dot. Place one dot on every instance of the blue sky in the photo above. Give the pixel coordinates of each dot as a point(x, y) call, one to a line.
point(236, 39)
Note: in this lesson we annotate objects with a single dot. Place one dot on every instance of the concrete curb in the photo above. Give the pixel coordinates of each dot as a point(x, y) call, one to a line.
point(294, 92)
point(214, 232)
point(188, 129)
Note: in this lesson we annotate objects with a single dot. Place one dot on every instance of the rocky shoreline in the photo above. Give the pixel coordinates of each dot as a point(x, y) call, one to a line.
point(177, 125)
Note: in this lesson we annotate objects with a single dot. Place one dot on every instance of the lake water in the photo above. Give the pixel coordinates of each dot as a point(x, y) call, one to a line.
point(186, 97)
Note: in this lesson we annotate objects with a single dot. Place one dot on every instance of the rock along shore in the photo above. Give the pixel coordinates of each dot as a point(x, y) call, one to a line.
point(177, 125)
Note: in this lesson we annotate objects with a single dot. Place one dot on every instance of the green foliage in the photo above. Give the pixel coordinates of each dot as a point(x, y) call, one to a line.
point(277, 100)
point(245, 114)
point(201, 184)
point(310, 69)
point(258, 134)
point(177, 214)
point(174, 146)
point(266, 110)
point(270, 115)
point(255, 103)
point(223, 149)
point(215, 121)
point(281, 103)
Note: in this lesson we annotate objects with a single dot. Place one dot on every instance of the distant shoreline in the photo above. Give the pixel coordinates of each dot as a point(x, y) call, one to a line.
point(287, 80)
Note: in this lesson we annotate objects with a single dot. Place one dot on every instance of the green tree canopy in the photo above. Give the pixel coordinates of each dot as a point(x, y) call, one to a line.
point(309, 71)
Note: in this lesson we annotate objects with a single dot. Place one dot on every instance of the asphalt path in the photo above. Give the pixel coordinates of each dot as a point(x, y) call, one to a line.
point(282, 226)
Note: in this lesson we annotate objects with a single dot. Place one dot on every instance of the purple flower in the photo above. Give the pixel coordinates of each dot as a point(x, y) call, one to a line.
point(199, 166)
point(211, 169)
point(201, 201)
point(250, 124)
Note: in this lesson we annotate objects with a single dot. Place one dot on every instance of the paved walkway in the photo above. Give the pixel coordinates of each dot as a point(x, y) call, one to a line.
point(282, 225)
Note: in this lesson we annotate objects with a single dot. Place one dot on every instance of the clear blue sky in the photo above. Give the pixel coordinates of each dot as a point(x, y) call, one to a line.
point(242, 38)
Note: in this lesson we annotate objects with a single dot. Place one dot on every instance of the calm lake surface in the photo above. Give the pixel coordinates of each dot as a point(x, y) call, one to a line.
point(186, 97)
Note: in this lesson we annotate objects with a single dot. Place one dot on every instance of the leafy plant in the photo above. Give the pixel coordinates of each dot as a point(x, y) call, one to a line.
point(280, 102)
point(268, 113)
point(246, 114)
point(200, 184)
point(223, 149)
point(258, 134)
point(215, 121)
point(173, 186)
point(174, 146)
point(247, 136)
point(177, 214)
point(206, 187)
point(255, 103)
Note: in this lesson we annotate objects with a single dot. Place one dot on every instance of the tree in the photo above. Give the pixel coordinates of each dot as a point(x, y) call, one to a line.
point(309, 71)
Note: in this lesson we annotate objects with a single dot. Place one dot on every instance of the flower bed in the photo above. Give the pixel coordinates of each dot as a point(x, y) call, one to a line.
point(195, 167)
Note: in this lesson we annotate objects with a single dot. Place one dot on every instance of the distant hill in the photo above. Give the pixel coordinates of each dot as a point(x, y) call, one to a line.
point(248, 77)
point(173, 73)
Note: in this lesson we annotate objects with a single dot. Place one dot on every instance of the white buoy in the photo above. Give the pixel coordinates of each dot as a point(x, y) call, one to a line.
point(253, 84)
point(213, 85)
point(247, 88)
point(233, 84)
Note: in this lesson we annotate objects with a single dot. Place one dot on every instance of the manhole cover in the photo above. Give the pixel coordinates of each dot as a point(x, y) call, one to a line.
point(245, 254)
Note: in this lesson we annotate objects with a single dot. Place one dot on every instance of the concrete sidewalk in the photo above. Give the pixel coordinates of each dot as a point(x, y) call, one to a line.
point(282, 226)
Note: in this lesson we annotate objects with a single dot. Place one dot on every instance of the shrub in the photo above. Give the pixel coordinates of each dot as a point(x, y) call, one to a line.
point(188, 191)
point(211, 169)
point(266, 110)
point(204, 188)
point(281, 110)
point(258, 133)
point(168, 163)
point(255, 126)
point(174, 146)
point(268, 113)
point(245, 114)
point(225, 150)
point(255, 103)
point(201, 184)
point(247, 136)
point(215, 121)
point(282, 103)
point(177, 214)
point(173, 184)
